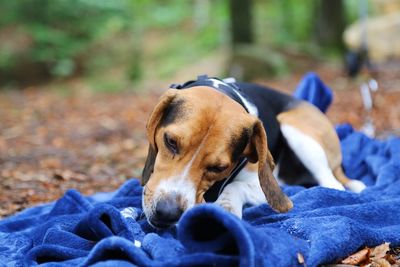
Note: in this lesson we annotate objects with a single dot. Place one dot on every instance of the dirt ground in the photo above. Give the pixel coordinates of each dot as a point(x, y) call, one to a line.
point(52, 141)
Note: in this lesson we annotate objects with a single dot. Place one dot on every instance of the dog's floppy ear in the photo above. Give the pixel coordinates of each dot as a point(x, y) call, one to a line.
point(259, 152)
point(149, 165)
point(151, 127)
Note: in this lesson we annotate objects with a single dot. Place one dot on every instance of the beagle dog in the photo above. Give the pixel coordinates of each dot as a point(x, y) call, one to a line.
point(216, 141)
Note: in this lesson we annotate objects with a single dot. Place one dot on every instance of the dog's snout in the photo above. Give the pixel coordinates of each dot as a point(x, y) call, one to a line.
point(167, 212)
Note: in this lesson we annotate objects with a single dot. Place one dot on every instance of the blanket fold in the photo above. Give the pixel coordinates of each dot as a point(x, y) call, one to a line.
point(325, 225)
point(209, 228)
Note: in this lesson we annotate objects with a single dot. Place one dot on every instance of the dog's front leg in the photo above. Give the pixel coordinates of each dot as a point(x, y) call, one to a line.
point(244, 189)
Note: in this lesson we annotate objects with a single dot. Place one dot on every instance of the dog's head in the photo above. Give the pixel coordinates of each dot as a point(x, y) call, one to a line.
point(196, 138)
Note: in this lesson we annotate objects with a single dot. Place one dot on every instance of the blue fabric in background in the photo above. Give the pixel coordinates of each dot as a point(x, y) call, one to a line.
point(325, 225)
point(312, 89)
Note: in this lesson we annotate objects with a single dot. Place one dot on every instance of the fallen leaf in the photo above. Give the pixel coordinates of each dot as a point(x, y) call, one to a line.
point(300, 259)
point(380, 263)
point(358, 257)
point(380, 251)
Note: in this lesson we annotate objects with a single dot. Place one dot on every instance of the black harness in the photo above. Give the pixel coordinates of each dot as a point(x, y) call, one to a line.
point(232, 90)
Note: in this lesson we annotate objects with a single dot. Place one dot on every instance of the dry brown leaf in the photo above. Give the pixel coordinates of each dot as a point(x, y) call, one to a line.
point(300, 259)
point(380, 251)
point(380, 263)
point(50, 163)
point(358, 257)
point(392, 259)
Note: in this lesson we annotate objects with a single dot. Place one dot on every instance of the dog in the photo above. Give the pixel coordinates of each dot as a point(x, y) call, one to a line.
point(217, 140)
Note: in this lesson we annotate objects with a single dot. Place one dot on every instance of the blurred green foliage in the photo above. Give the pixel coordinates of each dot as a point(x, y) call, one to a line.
point(59, 32)
point(66, 37)
point(290, 22)
point(129, 40)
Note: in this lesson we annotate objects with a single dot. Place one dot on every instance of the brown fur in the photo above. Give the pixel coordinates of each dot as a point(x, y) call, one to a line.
point(211, 120)
point(340, 176)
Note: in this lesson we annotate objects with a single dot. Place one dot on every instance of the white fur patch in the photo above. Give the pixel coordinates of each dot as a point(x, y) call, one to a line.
point(176, 185)
point(252, 191)
point(312, 155)
point(356, 186)
point(244, 189)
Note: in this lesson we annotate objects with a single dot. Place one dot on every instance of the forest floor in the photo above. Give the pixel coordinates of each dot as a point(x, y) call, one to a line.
point(53, 140)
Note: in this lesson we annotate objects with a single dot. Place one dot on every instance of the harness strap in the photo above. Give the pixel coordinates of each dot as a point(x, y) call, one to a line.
point(227, 87)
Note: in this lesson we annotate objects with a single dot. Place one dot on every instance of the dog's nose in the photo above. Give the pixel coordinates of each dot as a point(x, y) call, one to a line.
point(167, 212)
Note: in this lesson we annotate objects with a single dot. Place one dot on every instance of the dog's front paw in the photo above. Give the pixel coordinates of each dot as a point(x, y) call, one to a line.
point(231, 207)
point(334, 185)
point(356, 186)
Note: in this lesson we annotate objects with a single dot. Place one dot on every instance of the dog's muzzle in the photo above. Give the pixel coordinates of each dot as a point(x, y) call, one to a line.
point(167, 211)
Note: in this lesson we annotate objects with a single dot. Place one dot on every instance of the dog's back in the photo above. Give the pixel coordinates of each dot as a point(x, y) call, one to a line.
point(270, 103)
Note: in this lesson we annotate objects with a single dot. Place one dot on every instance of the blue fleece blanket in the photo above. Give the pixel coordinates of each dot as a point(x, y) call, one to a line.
point(325, 225)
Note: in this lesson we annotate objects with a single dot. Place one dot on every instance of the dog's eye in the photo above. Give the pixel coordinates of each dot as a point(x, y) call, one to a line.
point(171, 144)
point(217, 169)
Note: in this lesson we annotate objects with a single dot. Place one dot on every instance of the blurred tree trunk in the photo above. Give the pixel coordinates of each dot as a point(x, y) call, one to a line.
point(135, 69)
point(248, 61)
point(329, 23)
point(241, 21)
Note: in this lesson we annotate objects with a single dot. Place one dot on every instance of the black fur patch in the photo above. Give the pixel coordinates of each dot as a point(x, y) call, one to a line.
point(173, 112)
point(149, 165)
point(238, 144)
